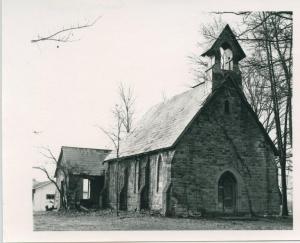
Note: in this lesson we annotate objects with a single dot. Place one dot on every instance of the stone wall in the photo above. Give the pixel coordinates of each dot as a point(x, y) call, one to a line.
point(137, 180)
point(217, 142)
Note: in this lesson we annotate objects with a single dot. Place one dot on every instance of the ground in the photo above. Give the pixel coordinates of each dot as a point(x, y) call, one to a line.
point(106, 220)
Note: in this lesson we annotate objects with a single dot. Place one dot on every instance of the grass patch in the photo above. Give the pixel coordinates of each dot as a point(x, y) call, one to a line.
point(108, 220)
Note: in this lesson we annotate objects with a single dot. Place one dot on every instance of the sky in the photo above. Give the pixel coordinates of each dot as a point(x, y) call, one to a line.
point(65, 89)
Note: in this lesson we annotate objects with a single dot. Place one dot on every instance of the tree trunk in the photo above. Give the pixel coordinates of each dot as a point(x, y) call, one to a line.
point(280, 142)
point(284, 211)
point(117, 189)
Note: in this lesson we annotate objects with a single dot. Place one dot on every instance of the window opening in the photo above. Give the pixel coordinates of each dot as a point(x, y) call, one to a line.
point(86, 189)
point(226, 57)
point(226, 107)
point(50, 196)
point(158, 173)
point(139, 175)
point(135, 175)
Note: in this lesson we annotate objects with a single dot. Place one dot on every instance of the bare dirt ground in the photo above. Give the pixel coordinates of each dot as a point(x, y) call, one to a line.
point(106, 220)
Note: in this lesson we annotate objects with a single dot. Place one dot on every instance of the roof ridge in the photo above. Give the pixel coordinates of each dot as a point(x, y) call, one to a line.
point(85, 148)
point(175, 96)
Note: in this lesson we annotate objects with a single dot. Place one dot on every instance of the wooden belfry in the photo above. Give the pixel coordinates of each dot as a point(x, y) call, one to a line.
point(224, 56)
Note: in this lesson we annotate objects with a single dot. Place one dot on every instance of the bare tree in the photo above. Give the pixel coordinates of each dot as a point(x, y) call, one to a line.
point(254, 80)
point(65, 34)
point(127, 100)
point(47, 153)
point(281, 91)
point(164, 96)
point(123, 114)
point(267, 75)
point(270, 33)
point(114, 134)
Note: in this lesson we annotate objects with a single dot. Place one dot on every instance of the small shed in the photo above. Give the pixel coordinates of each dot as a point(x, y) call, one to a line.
point(80, 174)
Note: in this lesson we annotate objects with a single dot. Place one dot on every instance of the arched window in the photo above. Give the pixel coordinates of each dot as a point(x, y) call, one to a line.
point(144, 203)
point(135, 174)
point(226, 57)
point(226, 107)
point(126, 176)
point(159, 164)
point(139, 174)
point(124, 190)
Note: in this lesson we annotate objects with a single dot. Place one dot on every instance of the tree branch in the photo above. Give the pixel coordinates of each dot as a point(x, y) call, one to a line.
point(55, 36)
point(48, 176)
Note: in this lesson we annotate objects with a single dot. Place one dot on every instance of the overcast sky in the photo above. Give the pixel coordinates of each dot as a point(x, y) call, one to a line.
point(63, 92)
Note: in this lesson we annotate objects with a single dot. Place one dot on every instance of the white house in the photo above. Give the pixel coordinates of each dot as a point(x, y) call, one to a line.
point(43, 195)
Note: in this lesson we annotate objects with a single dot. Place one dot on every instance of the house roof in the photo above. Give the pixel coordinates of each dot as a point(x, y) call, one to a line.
point(163, 125)
point(37, 185)
point(226, 35)
point(84, 161)
point(160, 127)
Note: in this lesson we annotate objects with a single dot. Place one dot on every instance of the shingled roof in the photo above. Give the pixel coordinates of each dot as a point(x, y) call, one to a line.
point(84, 161)
point(161, 126)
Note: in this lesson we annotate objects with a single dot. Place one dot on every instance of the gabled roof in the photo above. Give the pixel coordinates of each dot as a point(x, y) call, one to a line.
point(83, 161)
point(164, 124)
point(40, 184)
point(226, 35)
point(160, 127)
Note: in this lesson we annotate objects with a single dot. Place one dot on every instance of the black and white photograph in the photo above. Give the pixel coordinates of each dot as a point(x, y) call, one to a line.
point(128, 117)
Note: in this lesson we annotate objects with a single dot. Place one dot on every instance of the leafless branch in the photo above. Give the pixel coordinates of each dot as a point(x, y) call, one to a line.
point(267, 74)
point(127, 106)
point(235, 13)
point(48, 176)
point(112, 137)
point(59, 35)
point(48, 154)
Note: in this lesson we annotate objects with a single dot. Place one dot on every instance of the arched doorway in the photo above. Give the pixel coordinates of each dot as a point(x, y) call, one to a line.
point(227, 192)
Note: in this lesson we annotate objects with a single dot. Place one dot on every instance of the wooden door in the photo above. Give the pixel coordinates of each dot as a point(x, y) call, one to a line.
point(227, 193)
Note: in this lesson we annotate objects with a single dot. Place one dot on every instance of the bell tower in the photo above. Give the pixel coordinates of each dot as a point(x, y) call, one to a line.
point(224, 56)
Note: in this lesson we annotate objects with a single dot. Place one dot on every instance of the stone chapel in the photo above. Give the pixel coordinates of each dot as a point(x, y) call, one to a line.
point(202, 151)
